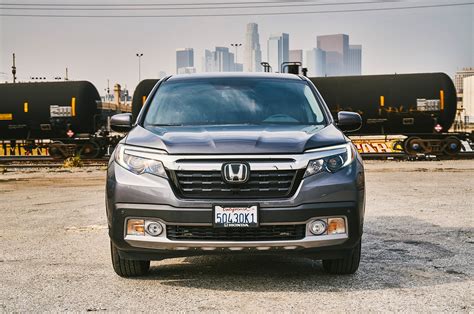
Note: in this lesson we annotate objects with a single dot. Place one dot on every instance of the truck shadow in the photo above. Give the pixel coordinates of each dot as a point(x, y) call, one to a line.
point(397, 252)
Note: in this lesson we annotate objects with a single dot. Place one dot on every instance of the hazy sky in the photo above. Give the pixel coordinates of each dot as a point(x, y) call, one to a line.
point(97, 49)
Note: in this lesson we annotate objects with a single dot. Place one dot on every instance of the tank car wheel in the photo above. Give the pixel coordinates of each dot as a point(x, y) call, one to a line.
point(413, 145)
point(54, 150)
point(89, 150)
point(452, 146)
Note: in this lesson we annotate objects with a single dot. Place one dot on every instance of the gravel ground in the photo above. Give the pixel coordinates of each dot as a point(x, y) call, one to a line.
point(417, 252)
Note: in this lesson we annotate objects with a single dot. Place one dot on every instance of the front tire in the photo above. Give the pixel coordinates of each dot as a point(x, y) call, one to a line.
point(125, 267)
point(344, 266)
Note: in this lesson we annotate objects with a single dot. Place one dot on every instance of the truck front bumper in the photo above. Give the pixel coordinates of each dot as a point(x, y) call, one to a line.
point(149, 197)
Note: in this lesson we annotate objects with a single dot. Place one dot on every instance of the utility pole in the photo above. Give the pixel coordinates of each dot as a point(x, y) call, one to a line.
point(67, 76)
point(107, 91)
point(139, 55)
point(14, 69)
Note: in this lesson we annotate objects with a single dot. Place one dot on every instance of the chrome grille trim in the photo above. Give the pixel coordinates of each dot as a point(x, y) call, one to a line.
point(257, 162)
point(261, 184)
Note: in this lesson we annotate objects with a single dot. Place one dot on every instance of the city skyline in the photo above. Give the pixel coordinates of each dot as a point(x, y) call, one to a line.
point(333, 56)
point(393, 42)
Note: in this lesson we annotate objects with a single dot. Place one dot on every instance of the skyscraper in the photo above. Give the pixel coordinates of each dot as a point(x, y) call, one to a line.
point(354, 65)
point(278, 50)
point(224, 60)
point(253, 54)
point(296, 56)
point(184, 58)
point(337, 52)
point(316, 62)
point(220, 60)
point(341, 58)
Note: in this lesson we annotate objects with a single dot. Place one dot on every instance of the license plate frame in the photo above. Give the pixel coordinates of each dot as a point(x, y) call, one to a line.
point(235, 209)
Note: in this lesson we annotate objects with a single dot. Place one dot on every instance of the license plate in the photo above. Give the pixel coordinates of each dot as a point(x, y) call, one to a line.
point(235, 216)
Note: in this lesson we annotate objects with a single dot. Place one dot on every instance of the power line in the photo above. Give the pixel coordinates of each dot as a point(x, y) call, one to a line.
point(242, 14)
point(201, 7)
point(159, 4)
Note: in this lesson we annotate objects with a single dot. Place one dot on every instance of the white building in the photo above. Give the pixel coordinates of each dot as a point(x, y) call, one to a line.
point(316, 62)
point(186, 70)
point(459, 78)
point(278, 50)
point(296, 56)
point(253, 54)
point(468, 99)
point(184, 58)
point(354, 60)
point(220, 60)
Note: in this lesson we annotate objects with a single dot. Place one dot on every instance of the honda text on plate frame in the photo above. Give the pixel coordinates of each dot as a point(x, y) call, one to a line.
point(225, 163)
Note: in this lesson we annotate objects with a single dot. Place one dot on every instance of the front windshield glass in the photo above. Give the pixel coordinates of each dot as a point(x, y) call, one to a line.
point(234, 101)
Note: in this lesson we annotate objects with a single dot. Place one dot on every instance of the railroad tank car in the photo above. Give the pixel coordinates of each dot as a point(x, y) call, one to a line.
point(48, 110)
point(420, 107)
point(142, 91)
point(393, 104)
point(59, 119)
point(388, 104)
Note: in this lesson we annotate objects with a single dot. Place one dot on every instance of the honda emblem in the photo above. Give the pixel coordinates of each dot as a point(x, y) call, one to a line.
point(236, 172)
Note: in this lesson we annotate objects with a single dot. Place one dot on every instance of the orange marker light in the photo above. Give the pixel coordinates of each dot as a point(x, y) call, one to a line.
point(382, 101)
point(441, 99)
point(336, 226)
point(136, 227)
point(73, 106)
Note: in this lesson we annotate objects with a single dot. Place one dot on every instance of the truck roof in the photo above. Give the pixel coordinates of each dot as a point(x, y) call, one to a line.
point(281, 76)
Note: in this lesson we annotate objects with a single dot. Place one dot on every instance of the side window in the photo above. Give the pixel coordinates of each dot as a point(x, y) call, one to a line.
point(319, 116)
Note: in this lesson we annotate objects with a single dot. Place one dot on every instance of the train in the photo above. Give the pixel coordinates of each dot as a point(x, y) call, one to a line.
point(402, 113)
point(59, 119)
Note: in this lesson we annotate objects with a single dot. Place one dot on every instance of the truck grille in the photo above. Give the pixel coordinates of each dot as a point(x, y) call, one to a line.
point(261, 184)
point(262, 233)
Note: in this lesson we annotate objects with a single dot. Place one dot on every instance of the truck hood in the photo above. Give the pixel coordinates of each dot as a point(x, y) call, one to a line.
point(235, 139)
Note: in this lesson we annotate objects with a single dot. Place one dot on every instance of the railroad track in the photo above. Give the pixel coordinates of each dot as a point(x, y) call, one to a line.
point(403, 156)
point(45, 162)
point(8, 162)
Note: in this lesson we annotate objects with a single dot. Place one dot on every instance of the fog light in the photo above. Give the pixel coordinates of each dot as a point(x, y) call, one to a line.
point(136, 227)
point(153, 228)
point(317, 227)
point(336, 226)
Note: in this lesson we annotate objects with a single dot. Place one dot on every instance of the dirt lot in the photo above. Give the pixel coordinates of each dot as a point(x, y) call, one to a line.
point(417, 252)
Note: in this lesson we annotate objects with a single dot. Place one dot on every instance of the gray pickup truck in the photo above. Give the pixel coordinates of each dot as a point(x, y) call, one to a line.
point(235, 164)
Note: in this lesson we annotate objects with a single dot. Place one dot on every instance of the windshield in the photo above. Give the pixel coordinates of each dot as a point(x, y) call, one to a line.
point(234, 101)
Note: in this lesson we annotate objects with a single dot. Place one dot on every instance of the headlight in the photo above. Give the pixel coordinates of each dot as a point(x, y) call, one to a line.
point(138, 165)
point(331, 163)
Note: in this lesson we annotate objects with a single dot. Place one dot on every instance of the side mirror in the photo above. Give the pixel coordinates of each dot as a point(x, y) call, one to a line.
point(121, 122)
point(349, 121)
